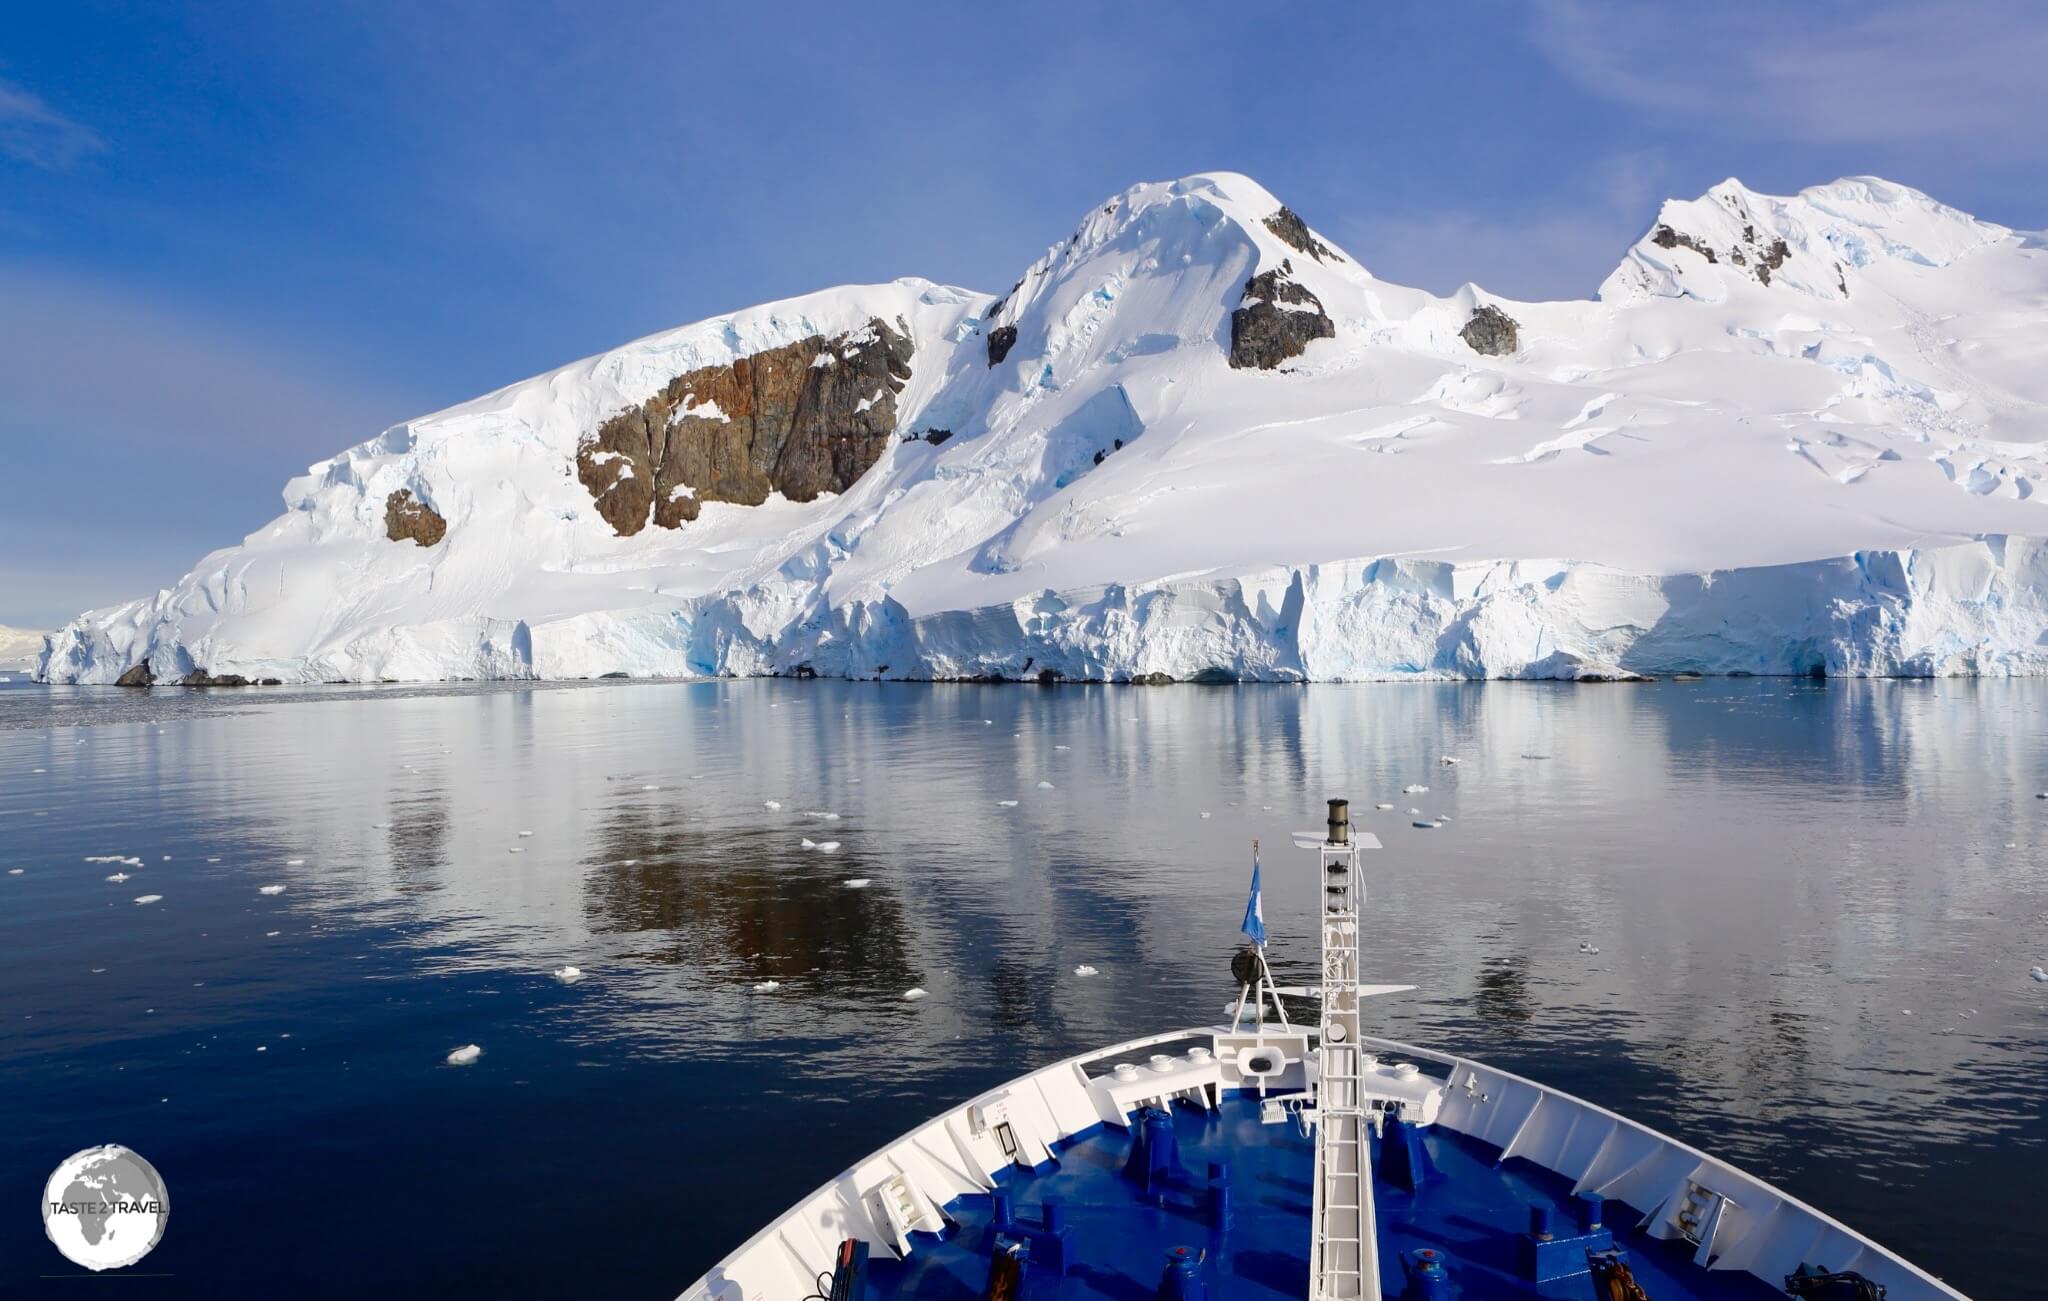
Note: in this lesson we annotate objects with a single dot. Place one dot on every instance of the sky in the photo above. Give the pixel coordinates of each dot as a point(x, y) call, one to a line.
point(236, 238)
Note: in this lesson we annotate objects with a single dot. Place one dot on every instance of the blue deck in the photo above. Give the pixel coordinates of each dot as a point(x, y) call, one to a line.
point(1473, 1211)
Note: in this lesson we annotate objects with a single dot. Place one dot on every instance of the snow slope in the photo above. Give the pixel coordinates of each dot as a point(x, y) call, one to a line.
point(1816, 450)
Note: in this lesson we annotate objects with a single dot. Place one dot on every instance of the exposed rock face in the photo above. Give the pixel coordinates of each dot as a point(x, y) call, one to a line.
point(139, 676)
point(201, 678)
point(1294, 231)
point(406, 516)
point(1000, 341)
point(807, 418)
point(1758, 257)
point(1665, 237)
point(1491, 332)
point(1275, 321)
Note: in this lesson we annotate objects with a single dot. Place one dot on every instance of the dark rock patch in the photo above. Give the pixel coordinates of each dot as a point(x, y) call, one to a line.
point(1275, 321)
point(807, 418)
point(1491, 332)
point(407, 517)
point(1000, 341)
point(1293, 231)
point(1152, 680)
point(1771, 259)
point(1665, 237)
point(937, 436)
point(201, 678)
point(139, 676)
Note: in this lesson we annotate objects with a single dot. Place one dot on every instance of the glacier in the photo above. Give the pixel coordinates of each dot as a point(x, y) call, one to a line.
point(1199, 441)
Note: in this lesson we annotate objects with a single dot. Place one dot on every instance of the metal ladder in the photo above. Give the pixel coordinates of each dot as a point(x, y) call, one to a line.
point(1344, 1257)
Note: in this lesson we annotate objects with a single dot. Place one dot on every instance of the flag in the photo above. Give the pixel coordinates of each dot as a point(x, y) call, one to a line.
point(1255, 907)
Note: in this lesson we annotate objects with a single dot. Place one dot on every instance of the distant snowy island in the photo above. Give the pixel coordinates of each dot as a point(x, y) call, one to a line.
point(20, 649)
point(1197, 441)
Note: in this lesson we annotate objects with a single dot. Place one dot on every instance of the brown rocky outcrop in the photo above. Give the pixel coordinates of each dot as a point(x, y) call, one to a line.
point(139, 676)
point(1276, 320)
point(1759, 258)
point(1294, 232)
point(407, 517)
point(1000, 341)
point(807, 418)
point(1491, 332)
point(201, 678)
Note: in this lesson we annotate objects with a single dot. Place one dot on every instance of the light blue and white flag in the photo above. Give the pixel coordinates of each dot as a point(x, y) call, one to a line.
point(1255, 907)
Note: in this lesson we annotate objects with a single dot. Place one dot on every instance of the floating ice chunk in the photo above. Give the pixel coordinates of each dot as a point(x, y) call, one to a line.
point(1415, 813)
point(828, 846)
point(1006, 804)
point(1449, 761)
point(1085, 970)
point(1905, 1011)
point(295, 862)
point(464, 1055)
point(650, 786)
point(262, 1048)
point(1587, 948)
point(821, 813)
point(116, 878)
point(514, 849)
point(524, 834)
point(271, 935)
point(1424, 824)
point(15, 871)
point(35, 770)
point(912, 995)
point(1265, 808)
point(1383, 806)
point(807, 843)
point(767, 987)
point(213, 860)
point(1057, 747)
point(771, 805)
point(629, 862)
point(147, 898)
point(1413, 790)
point(1205, 813)
point(269, 889)
point(2037, 973)
point(988, 722)
point(856, 883)
point(1045, 786)
point(568, 975)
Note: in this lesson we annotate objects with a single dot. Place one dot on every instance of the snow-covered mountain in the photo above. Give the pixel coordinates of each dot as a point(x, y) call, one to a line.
point(19, 648)
point(1196, 440)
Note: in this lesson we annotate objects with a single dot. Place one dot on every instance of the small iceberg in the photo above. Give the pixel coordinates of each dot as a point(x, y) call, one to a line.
point(912, 995)
point(269, 889)
point(1449, 762)
point(1414, 790)
point(767, 987)
point(1589, 949)
point(771, 805)
point(822, 846)
point(568, 975)
point(1383, 807)
point(464, 1055)
point(514, 849)
point(1205, 813)
point(821, 813)
point(1057, 747)
point(1085, 970)
point(524, 834)
point(148, 898)
point(116, 878)
point(2037, 973)
point(1045, 786)
point(15, 871)
point(857, 883)
point(1424, 824)
point(295, 862)
point(1006, 804)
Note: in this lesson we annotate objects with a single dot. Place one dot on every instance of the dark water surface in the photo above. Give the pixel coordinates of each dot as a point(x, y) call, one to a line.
point(1775, 873)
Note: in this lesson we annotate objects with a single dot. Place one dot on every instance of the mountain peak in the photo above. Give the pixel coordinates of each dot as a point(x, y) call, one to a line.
point(1733, 239)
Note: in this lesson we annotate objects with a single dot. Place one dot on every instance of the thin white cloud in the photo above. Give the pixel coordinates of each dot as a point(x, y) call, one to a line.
point(1825, 73)
point(32, 132)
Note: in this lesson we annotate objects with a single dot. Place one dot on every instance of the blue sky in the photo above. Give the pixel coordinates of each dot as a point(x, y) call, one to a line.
point(235, 239)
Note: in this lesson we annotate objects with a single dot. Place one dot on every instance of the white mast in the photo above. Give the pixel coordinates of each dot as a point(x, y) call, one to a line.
point(1344, 1257)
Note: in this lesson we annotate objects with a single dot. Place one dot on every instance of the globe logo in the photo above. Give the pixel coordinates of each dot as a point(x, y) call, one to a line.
point(105, 1207)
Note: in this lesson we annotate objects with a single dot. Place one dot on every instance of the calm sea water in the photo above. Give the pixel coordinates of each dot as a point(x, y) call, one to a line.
point(1815, 906)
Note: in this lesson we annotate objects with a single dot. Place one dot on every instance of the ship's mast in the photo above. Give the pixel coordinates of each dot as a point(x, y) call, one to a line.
point(1344, 1257)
